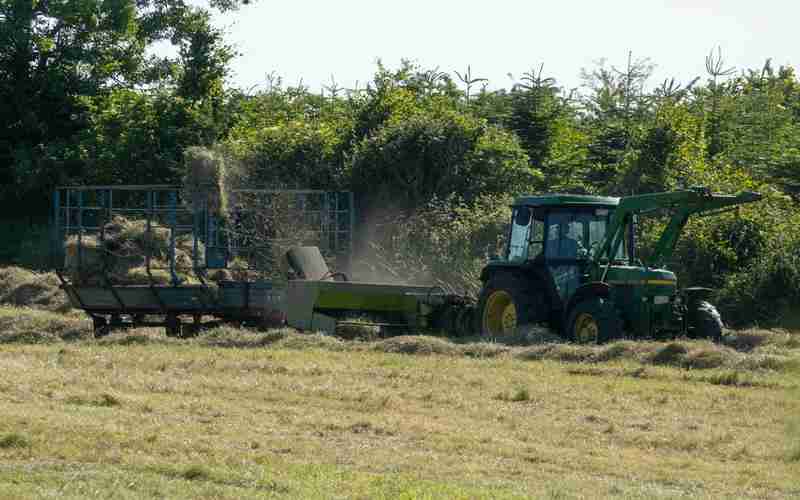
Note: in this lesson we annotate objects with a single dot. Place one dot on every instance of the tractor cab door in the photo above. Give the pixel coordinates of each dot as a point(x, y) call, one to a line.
point(563, 245)
point(571, 236)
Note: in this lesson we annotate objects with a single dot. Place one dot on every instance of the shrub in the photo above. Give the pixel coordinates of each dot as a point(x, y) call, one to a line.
point(766, 290)
point(437, 154)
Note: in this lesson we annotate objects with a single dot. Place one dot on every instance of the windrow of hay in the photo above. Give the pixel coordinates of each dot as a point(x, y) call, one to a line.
point(121, 254)
point(21, 287)
point(28, 326)
point(685, 354)
point(417, 344)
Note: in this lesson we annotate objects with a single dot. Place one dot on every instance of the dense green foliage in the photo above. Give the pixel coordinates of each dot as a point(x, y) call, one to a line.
point(81, 101)
point(80, 96)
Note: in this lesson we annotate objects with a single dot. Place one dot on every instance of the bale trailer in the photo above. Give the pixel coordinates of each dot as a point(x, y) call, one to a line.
point(266, 262)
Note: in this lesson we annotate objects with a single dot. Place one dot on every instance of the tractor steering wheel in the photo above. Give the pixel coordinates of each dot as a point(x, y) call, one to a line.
point(593, 247)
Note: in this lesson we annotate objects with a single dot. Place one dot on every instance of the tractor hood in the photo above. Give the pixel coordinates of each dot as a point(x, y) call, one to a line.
point(638, 276)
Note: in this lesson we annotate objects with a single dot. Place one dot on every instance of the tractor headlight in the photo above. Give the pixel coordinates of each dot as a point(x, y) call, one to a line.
point(660, 300)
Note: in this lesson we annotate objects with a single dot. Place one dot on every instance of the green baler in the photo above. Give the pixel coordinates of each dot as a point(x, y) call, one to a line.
point(320, 300)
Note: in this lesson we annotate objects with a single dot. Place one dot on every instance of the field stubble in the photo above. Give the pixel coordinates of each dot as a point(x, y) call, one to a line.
point(236, 413)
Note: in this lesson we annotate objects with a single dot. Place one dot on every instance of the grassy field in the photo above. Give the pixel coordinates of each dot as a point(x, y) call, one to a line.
point(239, 414)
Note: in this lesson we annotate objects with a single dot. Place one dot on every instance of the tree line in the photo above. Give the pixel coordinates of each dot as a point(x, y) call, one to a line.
point(83, 101)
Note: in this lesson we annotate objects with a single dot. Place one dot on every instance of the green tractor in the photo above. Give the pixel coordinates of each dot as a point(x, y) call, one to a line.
point(571, 263)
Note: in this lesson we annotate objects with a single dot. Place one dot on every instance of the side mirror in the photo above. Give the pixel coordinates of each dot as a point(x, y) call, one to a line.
point(522, 217)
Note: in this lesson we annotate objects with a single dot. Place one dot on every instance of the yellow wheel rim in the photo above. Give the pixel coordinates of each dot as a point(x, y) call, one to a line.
point(499, 315)
point(586, 328)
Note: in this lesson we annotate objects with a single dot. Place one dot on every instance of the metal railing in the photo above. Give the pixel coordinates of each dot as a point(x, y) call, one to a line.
point(255, 227)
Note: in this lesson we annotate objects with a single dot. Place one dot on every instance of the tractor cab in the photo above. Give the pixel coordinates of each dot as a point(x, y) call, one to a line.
point(551, 244)
point(571, 262)
point(558, 228)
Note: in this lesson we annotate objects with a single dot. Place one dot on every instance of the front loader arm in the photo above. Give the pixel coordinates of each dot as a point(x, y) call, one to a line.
point(683, 204)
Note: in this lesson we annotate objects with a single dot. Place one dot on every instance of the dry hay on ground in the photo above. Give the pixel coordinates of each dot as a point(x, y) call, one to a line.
point(26, 326)
point(22, 287)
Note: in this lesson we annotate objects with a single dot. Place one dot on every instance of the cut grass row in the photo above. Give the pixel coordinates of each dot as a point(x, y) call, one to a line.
point(742, 351)
point(187, 420)
point(234, 414)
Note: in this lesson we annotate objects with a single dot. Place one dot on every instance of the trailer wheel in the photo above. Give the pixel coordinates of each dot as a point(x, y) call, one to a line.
point(505, 303)
point(705, 322)
point(173, 326)
point(101, 327)
point(593, 321)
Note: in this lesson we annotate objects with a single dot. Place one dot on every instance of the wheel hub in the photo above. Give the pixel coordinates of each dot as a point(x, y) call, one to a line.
point(586, 328)
point(500, 315)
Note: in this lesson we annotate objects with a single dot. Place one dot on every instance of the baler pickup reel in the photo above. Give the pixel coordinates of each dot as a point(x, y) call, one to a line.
point(319, 299)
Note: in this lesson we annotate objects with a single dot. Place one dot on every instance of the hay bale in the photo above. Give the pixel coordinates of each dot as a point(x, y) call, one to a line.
point(84, 259)
point(204, 179)
point(130, 238)
point(121, 255)
point(139, 276)
point(220, 275)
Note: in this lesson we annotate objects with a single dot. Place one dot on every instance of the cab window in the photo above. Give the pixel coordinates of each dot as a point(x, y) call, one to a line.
point(566, 235)
point(578, 233)
point(520, 231)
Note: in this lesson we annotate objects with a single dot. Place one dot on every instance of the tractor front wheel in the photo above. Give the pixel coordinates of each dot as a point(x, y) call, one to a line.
point(592, 321)
point(505, 303)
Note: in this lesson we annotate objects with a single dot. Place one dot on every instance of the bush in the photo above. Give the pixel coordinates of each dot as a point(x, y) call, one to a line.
point(407, 163)
point(765, 291)
point(300, 153)
point(752, 256)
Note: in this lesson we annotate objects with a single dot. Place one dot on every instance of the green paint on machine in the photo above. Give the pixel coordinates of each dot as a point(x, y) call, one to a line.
point(572, 262)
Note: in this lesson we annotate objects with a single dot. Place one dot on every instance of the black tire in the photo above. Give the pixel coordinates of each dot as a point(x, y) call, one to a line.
point(173, 326)
point(101, 327)
point(593, 320)
point(527, 301)
point(705, 322)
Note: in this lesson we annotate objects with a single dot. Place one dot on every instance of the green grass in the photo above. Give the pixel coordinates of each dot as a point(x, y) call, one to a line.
point(235, 414)
point(14, 440)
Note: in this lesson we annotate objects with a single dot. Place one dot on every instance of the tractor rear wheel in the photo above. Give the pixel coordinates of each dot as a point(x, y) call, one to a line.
point(592, 321)
point(705, 322)
point(505, 303)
